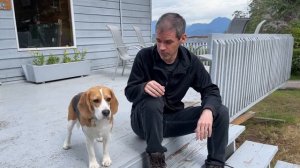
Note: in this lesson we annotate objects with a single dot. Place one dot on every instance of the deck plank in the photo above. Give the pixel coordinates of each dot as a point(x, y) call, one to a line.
point(253, 155)
point(194, 153)
point(283, 164)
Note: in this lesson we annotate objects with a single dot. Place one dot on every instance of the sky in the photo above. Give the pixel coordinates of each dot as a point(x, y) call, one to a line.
point(199, 11)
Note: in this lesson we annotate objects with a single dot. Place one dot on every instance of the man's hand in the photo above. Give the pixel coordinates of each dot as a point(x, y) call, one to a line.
point(204, 126)
point(154, 89)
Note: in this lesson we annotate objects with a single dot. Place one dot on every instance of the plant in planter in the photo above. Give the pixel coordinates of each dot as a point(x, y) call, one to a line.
point(52, 59)
point(66, 57)
point(38, 58)
point(79, 55)
point(43, 70)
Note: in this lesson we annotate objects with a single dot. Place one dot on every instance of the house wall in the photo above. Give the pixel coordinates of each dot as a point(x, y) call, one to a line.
point(90, 18)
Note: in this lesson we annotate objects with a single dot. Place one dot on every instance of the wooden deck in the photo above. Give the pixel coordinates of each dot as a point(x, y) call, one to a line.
point(34, 117)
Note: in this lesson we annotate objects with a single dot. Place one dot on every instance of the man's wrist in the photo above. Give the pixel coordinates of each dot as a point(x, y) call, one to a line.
point(206, 110)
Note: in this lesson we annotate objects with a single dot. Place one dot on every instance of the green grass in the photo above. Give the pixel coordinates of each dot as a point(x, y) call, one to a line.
point(282, 104)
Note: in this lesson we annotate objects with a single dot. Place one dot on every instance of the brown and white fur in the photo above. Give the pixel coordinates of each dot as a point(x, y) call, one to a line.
point(96, 108)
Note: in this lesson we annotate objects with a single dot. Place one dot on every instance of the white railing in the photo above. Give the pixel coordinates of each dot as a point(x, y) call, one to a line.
point(248, 67)
point(197, 44)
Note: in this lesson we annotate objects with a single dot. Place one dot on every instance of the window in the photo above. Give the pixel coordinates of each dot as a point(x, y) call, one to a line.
point(44, 23)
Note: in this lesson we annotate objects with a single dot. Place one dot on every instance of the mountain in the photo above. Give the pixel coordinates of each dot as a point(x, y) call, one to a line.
point(217, 25)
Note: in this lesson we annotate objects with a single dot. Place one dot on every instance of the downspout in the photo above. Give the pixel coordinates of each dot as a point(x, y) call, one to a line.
point(121, 17)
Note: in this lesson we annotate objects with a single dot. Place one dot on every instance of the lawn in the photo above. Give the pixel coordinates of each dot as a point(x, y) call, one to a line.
point(284, 131)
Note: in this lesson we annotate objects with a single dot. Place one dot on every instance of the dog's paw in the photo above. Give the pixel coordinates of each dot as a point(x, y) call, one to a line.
point(99, 139)
point(106, 161)
point(94, 165)
point(66, 146)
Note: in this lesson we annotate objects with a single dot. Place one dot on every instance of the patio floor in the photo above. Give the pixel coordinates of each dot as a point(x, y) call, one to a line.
point(33, 123)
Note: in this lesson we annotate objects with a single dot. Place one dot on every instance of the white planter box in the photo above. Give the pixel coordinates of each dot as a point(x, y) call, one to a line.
point(44, 73)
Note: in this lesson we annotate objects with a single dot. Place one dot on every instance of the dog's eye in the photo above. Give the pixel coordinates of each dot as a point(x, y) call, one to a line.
point(108, 99)
point(96, 101)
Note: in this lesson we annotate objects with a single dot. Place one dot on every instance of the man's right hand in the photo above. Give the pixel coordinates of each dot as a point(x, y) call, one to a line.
point(154, 89)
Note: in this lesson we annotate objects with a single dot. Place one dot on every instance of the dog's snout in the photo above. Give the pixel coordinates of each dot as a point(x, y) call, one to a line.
point(105, 112)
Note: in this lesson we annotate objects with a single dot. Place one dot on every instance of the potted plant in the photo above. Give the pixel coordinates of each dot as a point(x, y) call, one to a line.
point(45, 69)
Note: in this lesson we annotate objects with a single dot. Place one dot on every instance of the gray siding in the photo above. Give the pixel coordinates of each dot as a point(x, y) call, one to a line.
point(90, 18)
point(10, 59)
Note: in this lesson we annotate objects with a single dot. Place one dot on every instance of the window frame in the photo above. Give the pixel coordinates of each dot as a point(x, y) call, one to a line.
point(46, 48)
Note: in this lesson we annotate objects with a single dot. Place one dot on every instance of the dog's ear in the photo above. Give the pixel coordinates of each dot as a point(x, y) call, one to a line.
point(113, 103)
point(84, 106)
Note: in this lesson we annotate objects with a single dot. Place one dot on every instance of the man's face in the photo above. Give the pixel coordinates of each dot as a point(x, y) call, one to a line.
point(168, 44)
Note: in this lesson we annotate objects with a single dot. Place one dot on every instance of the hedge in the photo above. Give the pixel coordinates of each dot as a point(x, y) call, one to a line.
point(296, 62)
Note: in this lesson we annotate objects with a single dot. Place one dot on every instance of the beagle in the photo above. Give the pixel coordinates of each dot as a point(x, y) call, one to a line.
point(94, 109)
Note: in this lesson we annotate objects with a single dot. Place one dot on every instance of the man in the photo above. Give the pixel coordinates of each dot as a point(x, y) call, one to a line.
point(160, 77)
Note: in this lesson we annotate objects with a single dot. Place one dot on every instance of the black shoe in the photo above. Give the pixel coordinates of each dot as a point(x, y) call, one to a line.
point(156, 160)
point(214, 164)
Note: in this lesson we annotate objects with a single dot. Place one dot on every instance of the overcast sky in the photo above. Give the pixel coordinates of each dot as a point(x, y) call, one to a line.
point(199, 11)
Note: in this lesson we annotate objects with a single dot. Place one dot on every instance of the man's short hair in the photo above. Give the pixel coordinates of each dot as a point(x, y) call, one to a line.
point(171, 21)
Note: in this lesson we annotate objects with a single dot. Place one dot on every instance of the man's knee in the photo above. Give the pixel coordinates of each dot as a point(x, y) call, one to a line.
point(144, 113)
point(153, 104)
point(224, 110)
point(223, 114)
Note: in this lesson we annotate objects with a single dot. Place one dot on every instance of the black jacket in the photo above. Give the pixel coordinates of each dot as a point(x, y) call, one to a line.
point(190, 72)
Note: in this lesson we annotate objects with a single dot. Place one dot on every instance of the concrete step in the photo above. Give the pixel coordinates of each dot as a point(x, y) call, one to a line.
point(252, 155)
point(283, 164)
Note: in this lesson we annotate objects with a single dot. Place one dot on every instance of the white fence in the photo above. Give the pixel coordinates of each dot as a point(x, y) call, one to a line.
point(197, 44)
point(248, 67)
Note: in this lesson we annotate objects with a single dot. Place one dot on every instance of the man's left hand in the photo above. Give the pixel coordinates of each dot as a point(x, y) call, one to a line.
point(204, 125)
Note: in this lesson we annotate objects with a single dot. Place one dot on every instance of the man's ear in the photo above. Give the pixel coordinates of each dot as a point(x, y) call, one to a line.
point(183, 38)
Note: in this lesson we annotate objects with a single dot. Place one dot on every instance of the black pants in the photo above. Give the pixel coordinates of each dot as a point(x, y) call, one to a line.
point(149, 122)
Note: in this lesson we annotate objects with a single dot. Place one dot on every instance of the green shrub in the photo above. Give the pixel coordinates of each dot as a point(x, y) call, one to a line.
point(295, 30)
point(296, 62)
point(52, 59)
point(198, 50)
point(76, 55)
point(38, 58)
point(66, 57)
point(83, 54)
point(79, 55)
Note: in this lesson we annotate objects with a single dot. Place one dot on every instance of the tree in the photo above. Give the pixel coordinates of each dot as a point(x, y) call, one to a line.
point(278, 13)
point(239, 14)
point(282, 16)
